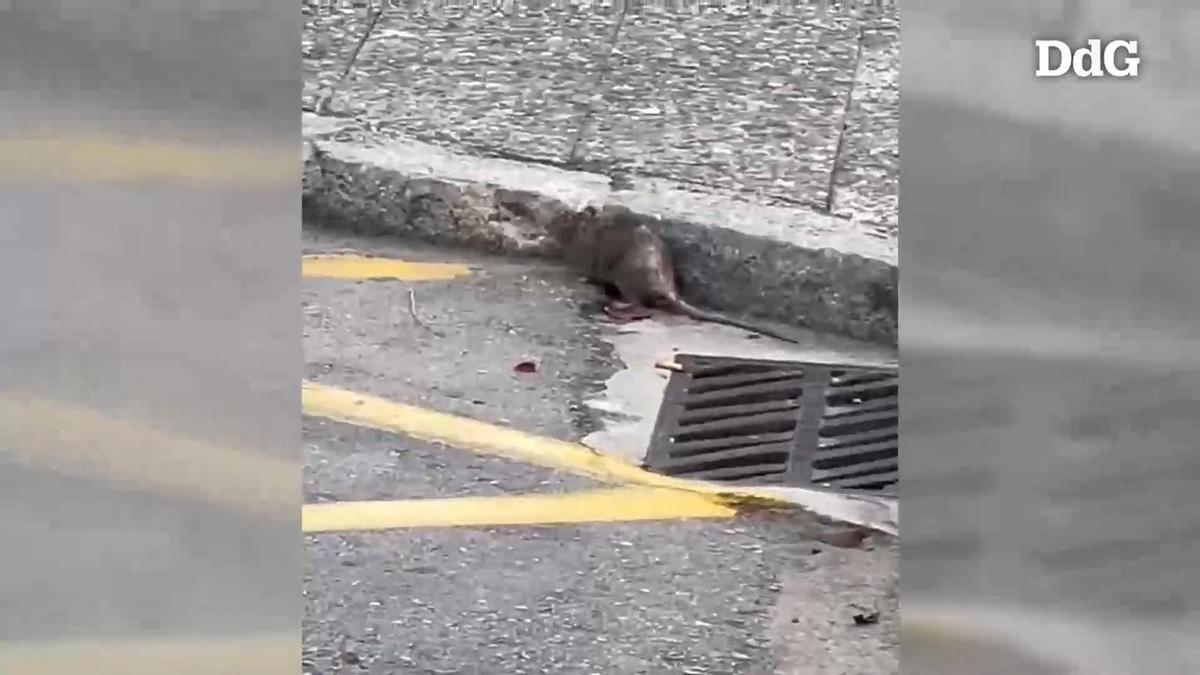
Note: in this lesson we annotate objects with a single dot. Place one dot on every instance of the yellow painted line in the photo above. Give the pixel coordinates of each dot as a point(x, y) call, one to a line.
point(350, 407)
point(216, 655)
point(362, 267)
point(91, 445)
point(624, 504)
point(94, 158)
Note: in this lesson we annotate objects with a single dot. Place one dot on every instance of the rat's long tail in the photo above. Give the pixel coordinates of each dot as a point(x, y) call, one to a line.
point(683, 307)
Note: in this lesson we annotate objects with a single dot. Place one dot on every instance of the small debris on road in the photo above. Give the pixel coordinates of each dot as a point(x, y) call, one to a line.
point(865, 617)
point(668, 365)
point(412, 309)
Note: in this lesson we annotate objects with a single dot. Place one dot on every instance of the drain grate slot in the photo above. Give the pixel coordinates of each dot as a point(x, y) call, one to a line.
point(713, 445)
point(859, 470)
point(723, 412)
point(740, 473)
point(852, 455)
point(728, 381)
point(746, 394)
point(737, 426)
point(778, 422)
point(858, 424)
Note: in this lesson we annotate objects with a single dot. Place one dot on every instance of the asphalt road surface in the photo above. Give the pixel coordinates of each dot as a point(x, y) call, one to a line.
point(755, 593)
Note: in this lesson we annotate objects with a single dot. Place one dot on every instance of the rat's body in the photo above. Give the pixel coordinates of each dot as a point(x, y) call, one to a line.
point(625, 256)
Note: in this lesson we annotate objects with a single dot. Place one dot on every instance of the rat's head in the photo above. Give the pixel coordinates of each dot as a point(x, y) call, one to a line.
point(567, 225)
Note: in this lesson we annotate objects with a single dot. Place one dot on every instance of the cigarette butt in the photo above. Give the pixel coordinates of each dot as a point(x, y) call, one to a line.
point(669, 365)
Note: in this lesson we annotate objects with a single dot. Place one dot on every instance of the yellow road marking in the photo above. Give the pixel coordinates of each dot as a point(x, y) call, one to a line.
point(90, 158)
point(90, 445)
point(362, 267)
point(350, 407)
point(342, 405)
point(209, 655)
point(593, 506)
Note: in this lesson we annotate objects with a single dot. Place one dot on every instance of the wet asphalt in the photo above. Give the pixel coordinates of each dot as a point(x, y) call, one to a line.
point(754, 594)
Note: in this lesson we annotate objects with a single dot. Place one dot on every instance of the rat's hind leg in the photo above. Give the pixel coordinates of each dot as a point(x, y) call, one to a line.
point(627, 303)
point(613, 304)
point(610, 289)
point(626, 311)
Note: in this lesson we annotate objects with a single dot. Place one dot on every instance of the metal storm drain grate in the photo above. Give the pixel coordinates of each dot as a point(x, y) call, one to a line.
point(779, 422)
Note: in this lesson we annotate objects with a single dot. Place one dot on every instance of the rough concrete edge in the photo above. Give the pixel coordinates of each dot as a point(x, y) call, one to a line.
point(876, 513)
point(794, 267)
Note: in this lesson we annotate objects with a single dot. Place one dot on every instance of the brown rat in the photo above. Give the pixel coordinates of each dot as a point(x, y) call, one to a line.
point(615, 250)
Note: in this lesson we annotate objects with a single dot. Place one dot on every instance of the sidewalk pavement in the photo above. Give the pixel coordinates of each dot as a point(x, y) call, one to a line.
point(765, 142)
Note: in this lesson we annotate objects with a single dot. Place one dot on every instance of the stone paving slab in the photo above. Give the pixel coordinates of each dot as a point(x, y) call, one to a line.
point(470, 79)
point(753, 103)
point(867, 184)
point(731, 100)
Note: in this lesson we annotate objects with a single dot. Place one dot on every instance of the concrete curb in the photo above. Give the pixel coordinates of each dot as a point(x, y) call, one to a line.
point(881, 514)
point(782, 264)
